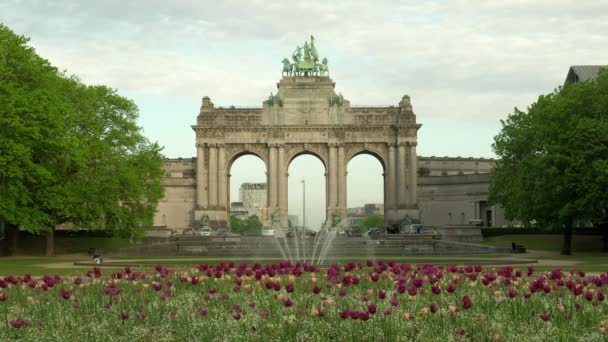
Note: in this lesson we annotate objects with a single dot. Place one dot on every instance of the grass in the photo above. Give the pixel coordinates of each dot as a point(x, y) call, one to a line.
point(543, 247)
point(36, 266)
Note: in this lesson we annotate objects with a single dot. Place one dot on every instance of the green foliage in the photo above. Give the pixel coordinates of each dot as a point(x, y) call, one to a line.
point(490, 232)
point(69, 152)
point(373, 221)
point(250, 226)
point(553, 160)
point(236, 224)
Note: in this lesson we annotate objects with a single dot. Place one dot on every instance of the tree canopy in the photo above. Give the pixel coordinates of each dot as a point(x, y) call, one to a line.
point(251, 226)
point(552, 169)
point(373, 221)
point(70, 152)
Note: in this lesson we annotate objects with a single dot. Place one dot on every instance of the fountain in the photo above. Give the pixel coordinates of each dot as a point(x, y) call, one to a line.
point(314, 252)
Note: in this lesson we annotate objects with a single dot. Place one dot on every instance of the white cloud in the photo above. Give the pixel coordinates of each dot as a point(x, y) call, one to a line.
point(478, 58)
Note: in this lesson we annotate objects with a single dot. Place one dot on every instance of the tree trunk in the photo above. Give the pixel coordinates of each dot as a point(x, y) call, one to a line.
point(604, 228)
point(567, 248)
point(50, 243)
point(13, 238)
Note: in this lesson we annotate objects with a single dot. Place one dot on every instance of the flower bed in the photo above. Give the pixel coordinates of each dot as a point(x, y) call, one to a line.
point(377, 300)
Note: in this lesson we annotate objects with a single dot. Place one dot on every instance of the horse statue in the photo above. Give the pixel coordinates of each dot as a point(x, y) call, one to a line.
point(295, 69)
point(324, 68)
point(287, 67)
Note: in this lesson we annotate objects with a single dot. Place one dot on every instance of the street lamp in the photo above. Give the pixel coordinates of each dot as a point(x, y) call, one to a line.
point(304, 206)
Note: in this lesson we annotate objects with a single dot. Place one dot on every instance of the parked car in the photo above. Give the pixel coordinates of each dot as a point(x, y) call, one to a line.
point(415, 228)
point(222, 232)
point(268, 231)
point(205, 232)
point(375, 232)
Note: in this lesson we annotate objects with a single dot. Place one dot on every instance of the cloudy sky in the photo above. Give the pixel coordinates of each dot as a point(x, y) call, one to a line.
point(465, 64)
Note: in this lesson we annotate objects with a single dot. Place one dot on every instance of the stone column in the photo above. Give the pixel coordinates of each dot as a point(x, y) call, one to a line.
point(402, 198)
point(413, 176)
point(333, 175)
point(272, 178)
point(222, 186)
point(201, 177)
point(391, 179)
point(282, 175)
point(341, 181)
point(212, 176)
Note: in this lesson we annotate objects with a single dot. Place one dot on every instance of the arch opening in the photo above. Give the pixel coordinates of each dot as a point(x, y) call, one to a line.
point(306, 202)
point(247, 194)
point(365, 198)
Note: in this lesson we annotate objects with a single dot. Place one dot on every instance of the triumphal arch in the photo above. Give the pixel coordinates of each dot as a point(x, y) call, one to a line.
point(305, 116)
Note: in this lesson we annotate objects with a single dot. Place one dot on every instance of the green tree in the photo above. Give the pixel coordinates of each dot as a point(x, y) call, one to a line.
point(373, 221)
point(552, 169)
point(253, 226)
point(70, 153)
point(236, 225)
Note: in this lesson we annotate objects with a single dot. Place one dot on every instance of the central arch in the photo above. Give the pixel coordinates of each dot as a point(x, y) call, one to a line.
point(305, 116)
point(366, 169)
point(309, 167)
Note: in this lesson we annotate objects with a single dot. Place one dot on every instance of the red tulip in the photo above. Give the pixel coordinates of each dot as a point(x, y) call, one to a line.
point(3, 297)
point(433, 307)
point(19, 323)
point(466, 302)
point(124, 315)
point(545, 317)
point(382, 294)
point(65, 294)
point(372, 308)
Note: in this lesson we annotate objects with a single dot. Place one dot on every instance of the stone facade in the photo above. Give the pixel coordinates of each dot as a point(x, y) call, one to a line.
point(301, 119)
point(442, 199)
point(458, 200)
point(451, 166)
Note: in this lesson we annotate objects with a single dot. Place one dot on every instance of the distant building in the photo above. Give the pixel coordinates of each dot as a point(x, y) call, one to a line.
point(582, 73)
point(294, 220)
point(237, 209)
point(253, 195)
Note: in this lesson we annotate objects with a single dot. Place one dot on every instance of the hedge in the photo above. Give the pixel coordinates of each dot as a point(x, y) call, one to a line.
point(489, 232)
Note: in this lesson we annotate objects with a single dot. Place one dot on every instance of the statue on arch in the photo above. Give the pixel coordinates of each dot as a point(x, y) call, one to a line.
point(287, 67)
point(336, 218)
point(313, 50)
point(306, 52)
point(205, 220)
point(276, 218)
point(323, 67)
point(297, 55)
point(270, 100)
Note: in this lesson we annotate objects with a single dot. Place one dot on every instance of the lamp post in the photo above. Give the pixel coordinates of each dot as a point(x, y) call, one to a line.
point(304, 206)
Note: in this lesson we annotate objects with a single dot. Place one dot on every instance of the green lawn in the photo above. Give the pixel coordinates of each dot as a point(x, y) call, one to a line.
point(35, 245)
point(550, 243)
point(36, 265)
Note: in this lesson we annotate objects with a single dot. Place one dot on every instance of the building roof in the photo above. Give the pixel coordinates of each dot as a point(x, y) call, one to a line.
point(582, 73)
